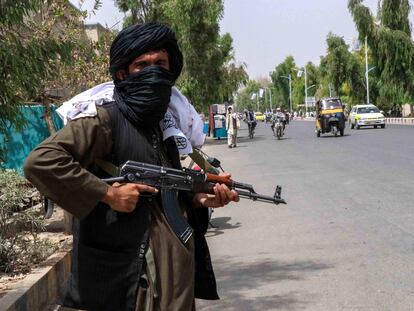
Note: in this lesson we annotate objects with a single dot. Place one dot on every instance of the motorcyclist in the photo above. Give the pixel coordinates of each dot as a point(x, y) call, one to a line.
point(281, 116)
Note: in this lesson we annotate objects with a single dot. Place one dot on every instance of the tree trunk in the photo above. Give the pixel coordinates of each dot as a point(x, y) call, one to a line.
point(47, 115)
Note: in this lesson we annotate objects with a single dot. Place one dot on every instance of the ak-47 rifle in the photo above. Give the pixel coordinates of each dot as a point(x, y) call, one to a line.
point(169, 180)
point(188, 180)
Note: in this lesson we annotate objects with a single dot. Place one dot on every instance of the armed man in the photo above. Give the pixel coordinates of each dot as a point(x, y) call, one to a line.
point(126, 254)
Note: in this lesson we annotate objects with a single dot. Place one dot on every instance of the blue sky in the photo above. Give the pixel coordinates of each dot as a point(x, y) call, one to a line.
point(265, 32)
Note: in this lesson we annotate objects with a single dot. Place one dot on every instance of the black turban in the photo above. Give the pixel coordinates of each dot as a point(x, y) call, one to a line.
point(136, 40)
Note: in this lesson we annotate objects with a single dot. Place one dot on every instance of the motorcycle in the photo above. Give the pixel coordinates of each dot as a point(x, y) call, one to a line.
point(277, 127)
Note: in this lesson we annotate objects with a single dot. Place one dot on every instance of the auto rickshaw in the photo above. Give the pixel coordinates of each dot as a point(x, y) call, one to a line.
point(330, 117)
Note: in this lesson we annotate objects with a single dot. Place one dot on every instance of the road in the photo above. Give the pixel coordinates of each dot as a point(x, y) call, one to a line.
point(345, 241)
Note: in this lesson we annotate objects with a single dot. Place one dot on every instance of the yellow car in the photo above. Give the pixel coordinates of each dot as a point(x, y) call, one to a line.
point(259, 116)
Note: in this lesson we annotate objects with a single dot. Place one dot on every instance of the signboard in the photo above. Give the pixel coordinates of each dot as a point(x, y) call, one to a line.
point(311, 101)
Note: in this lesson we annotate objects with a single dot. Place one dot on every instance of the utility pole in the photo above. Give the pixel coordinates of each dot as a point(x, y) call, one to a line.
point(270, 98)
point(366, 68)
point(289, 77)
point(306, 90)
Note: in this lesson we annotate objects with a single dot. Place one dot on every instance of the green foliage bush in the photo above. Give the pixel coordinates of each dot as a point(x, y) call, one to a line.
point(20, 224)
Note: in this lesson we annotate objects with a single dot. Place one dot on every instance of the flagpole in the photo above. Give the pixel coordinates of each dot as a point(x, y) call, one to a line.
point(270, 94)
point(306, 91)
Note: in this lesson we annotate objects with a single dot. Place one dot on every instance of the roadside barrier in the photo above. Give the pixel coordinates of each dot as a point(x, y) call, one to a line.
point(403, 121)
point(398, 121)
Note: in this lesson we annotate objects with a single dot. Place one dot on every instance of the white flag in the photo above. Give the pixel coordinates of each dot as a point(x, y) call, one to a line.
point(356, 45)
point(253, 96)
point(261, 93)
point(300, 73)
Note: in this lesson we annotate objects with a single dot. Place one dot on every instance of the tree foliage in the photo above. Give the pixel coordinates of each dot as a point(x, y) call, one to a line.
point(28, 52)
point(280, 83)
point(43, 47)
point(342, 71)
point(335, 64)
point(392, 49)
point(244, 98)
point(140, 11)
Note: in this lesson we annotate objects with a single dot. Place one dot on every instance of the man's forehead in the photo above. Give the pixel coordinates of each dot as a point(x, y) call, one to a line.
point(161, 52)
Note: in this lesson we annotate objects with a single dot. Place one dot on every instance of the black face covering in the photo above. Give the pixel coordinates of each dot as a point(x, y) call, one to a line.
point(143, 97)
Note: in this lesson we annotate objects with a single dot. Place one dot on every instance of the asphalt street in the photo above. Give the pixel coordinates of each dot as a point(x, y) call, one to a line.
point(344, 241)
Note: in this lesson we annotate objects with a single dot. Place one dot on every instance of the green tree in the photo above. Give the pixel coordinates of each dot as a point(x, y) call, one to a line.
point(392, 49)
point(244, 98)
point(342, 72)
point(50, 50)
point(334, 65)
point(140, 11)
point(230, 75)
point(281, 84)
point(29, 50)
point(197, 25)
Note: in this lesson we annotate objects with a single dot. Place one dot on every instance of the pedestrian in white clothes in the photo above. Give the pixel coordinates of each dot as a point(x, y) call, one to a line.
point(231, 127)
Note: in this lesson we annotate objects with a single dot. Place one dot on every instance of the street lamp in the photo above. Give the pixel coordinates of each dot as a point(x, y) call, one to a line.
point(306, 86)
point(289, 77)
point(309, 87)
point(270, 97)
point(366, 69)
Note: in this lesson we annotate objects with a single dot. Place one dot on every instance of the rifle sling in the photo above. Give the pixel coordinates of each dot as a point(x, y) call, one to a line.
point(107, 167)
point(202, 162)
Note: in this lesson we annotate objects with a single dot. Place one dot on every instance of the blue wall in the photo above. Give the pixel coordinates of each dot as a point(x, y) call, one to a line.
point(19, 144)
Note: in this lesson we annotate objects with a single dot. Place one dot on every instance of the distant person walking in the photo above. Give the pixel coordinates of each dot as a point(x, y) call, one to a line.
point(231, 127)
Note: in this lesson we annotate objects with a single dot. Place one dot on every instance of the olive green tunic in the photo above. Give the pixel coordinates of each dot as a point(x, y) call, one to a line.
point(58, 168)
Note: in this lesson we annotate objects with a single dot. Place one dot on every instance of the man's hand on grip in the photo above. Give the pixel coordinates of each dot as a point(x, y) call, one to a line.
point(124, 197)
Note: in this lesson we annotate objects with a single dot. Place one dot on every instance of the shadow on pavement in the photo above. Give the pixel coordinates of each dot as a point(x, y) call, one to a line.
point(213, 141)
point(247, 139)
point(219, 224)
point(235, 277)
point(240, 139)
point(332, 136)
point(282, 138)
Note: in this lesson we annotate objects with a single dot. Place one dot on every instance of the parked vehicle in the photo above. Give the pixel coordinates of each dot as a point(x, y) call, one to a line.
point(366, 115)
point(330, 116)
point(259, 116)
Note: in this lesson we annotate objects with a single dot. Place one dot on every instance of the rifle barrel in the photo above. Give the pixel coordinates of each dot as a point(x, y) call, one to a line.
point(260, 197)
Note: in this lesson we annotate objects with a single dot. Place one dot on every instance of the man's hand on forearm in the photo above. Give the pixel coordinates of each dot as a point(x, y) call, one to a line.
point(124, 197)
point(222, 196)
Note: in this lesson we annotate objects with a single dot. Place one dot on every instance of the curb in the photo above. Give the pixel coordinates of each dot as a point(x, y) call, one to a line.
point(395, 121)
point(402, 121)
point(38, 290)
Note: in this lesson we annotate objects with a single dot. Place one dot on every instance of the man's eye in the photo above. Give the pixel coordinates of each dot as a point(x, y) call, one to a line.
point(140, 65)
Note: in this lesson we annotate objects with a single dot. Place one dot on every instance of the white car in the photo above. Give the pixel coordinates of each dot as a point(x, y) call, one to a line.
point(366, 115)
